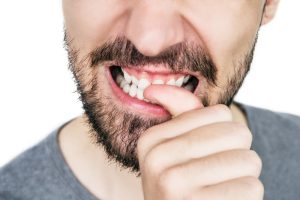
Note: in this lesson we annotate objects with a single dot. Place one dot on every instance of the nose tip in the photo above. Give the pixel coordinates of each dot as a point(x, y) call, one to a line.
point(152, 42)
point(153, 28)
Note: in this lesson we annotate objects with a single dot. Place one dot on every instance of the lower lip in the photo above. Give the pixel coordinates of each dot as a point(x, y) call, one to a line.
point(134, 103)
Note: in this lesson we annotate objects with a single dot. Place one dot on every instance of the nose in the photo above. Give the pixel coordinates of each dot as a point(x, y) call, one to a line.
point(153, 26)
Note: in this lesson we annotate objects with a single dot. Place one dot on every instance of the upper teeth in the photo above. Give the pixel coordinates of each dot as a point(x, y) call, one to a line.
point(158, 82)
point(135, 87)
point(172, 82)
point(179, 81)
point(143, 83)
point(186, 78)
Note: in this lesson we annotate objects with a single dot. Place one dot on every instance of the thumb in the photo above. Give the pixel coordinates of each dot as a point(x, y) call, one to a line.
point(174, 99)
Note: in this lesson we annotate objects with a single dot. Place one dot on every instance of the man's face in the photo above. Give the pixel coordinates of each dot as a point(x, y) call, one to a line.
point(207, 43)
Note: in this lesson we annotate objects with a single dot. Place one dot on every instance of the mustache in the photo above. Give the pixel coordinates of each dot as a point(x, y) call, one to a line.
point(179, 57)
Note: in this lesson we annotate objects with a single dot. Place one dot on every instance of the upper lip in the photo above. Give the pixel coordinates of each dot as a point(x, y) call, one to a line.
point(161, 69)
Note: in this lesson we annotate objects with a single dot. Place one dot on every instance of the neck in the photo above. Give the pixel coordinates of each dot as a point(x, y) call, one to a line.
point(89, 163)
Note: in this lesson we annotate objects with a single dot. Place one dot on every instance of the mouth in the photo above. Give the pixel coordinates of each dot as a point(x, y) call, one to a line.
point(129, 84)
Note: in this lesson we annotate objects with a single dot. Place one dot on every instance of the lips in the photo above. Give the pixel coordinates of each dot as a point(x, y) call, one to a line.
point(133, 82)
point(128, 85)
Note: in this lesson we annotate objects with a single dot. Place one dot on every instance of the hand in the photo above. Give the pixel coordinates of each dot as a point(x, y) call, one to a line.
point(199, 154)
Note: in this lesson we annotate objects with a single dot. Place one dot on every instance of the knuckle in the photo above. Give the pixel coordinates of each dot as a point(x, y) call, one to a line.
point(151, 163)
point(144, 139)
point(168, 181)
point(255, 162)
point(254, 186)
point(238, 133)
point(223, 110)
point(154, 161)
point(243, 133)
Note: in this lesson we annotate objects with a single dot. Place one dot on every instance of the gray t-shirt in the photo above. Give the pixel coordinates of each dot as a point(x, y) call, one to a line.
point(41, 172)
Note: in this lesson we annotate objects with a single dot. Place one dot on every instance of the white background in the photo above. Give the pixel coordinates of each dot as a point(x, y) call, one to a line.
point(37, 90)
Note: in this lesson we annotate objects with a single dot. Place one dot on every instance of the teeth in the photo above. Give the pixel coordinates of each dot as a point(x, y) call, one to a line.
point(186, 79)
point(133, 90)
point(171, 82)
point(127, 77)
point(140, 94)
point(126, 88)
point(134, 80)
point(119, 79)
point(158, 82)
point(123, 83)
point(179, 81)
point(143, 83)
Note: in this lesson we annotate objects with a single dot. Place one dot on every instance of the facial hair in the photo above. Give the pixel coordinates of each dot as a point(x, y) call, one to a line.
point(118, 130)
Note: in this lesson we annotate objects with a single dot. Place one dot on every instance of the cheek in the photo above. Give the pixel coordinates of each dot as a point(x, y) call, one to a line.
point(89, 23)
point(226, 28)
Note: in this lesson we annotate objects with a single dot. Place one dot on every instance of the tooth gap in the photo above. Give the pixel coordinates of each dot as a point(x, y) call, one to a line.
point(194, 81)
point(115, 71)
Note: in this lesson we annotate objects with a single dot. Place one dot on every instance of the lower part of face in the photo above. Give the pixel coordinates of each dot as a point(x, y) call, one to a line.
point(118, 125)
point(211, 61)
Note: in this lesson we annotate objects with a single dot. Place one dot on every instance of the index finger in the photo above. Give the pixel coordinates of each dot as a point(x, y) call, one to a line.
point(174, 99)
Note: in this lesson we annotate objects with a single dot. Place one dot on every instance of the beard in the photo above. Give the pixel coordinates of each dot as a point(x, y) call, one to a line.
point(112, 126)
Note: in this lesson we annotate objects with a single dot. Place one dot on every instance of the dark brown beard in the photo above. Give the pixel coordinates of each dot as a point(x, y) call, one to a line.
point(117, 130)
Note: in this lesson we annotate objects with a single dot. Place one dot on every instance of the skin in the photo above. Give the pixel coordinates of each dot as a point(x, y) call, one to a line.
point(213, 159)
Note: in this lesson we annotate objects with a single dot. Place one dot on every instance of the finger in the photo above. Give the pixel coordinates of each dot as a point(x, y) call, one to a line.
point(180, 125)
point(200, 142)
point(174, 99)
point(214, 169)
point(244, 188)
